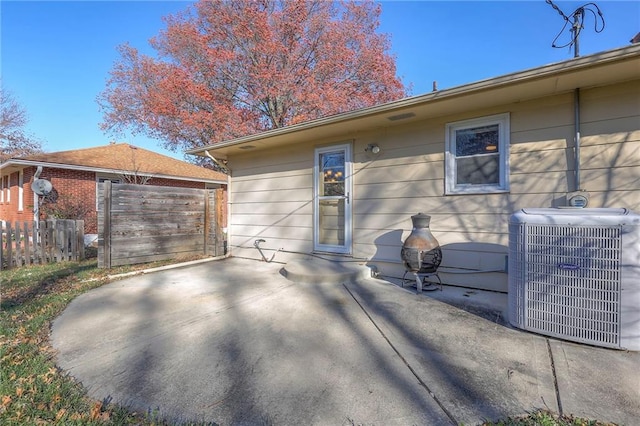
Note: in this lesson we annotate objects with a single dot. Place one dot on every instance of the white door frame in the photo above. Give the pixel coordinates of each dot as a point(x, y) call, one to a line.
point(346, 198)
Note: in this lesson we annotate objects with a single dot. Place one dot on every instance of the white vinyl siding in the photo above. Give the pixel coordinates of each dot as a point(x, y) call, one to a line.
point(271, 190)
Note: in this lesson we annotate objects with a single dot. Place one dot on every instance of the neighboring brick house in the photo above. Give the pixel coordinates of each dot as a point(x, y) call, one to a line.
point(75, 175)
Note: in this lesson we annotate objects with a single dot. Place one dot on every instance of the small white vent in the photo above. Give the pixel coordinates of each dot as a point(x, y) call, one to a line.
point(575, 275)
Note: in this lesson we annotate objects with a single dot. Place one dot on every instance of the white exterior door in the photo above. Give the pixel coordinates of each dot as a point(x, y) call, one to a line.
point(332, 203)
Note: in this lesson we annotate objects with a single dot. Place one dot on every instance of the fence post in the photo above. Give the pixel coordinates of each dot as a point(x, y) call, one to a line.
point(27, 246)
point(2, 240)
point(18, 246)
point(80, 239)
point(51, 240)
point(105, 262)
point(43, 235)
point(9, 246)
point(207, 222)
point(220, 215)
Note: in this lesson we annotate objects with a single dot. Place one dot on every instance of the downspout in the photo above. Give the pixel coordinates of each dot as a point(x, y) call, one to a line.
point(222, 166)
point(576, 150)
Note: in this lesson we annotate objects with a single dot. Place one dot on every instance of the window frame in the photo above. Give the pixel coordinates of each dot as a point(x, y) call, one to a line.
point(9, 188)
point(21, 190)
point(347, 247)
point(504, 132)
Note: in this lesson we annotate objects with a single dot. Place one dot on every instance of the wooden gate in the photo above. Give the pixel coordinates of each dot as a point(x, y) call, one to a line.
point(144, 223)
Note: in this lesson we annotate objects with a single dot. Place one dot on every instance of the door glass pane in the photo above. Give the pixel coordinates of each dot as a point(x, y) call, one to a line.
point(332, 174)
point(331, 222)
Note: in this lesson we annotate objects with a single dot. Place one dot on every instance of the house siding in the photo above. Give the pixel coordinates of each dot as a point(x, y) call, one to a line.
point(271, 191)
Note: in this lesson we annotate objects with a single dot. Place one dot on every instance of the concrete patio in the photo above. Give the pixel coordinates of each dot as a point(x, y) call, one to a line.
point(236, 342)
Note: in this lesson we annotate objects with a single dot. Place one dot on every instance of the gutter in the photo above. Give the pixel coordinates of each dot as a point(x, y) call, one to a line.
point(104, 170)
point(221, 165)
point(558, 68)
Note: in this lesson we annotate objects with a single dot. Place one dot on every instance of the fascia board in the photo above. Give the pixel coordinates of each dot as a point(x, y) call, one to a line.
point(538, 73)
point(27, 163)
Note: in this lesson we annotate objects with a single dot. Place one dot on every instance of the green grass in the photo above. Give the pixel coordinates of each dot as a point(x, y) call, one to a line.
point(546, 418)
point(33, 391)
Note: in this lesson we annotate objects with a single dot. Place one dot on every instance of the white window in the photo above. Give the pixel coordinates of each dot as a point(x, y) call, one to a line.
point(20, 191)
point(2, 192)
point(477, 155)
point(9, 189)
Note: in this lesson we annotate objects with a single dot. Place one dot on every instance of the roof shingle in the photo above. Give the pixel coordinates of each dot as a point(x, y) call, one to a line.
point(125, 157)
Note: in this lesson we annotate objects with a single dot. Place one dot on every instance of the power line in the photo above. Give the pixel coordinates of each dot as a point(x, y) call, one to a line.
point(578, 18)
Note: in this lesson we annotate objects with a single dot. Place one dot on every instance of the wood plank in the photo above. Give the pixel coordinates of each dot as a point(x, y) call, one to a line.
point(152, 258)
point(106, 228)
point(150, 222)
point(18, 253)
point(9, 245)
point(27, 244)
point(2, 243)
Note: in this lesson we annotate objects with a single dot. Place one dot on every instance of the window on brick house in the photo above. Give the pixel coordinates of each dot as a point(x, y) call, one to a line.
point(2, 180)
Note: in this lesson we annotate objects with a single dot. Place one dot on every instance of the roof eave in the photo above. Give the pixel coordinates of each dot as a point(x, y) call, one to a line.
point(538, 73)
point(32, 163)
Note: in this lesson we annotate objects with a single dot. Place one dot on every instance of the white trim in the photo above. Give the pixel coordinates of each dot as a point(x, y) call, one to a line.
point(21, 190)
point(504, 133)
point(104, 170)
point(348, 197)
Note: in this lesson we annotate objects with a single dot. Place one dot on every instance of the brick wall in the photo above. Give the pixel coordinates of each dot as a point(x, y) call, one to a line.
point(73, 188)
point(9, 206)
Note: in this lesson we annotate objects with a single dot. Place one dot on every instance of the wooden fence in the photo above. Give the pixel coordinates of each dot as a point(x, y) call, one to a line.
point(144, 223)
point(25, 243)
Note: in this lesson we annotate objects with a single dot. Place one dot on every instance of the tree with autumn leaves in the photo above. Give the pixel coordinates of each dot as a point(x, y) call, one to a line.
point(226, 69)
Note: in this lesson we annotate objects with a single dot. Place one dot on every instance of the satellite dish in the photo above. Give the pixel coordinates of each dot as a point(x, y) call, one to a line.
point(41, 186)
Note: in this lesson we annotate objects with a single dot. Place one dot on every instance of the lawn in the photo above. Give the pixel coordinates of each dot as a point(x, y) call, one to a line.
point(33, 391)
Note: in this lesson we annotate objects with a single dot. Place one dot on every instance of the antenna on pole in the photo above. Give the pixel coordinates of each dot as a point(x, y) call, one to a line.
point(578, 17)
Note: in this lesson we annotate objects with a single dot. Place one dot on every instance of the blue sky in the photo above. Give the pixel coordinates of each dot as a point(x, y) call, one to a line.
point(56, 56)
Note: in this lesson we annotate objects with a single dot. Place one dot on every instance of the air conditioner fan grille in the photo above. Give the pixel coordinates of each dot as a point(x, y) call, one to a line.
point(573, 281)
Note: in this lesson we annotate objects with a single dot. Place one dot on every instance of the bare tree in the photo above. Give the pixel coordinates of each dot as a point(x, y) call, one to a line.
point(14, 141)
point(132, 171)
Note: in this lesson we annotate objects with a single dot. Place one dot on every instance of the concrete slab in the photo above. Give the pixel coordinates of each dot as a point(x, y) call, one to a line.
point(478, 369)
point(312, 269)
point(216, 343)
point(598, 383)
point(234, 342)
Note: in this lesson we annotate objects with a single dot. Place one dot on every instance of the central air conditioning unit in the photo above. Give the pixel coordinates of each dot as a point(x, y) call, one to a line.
point(575, 274)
